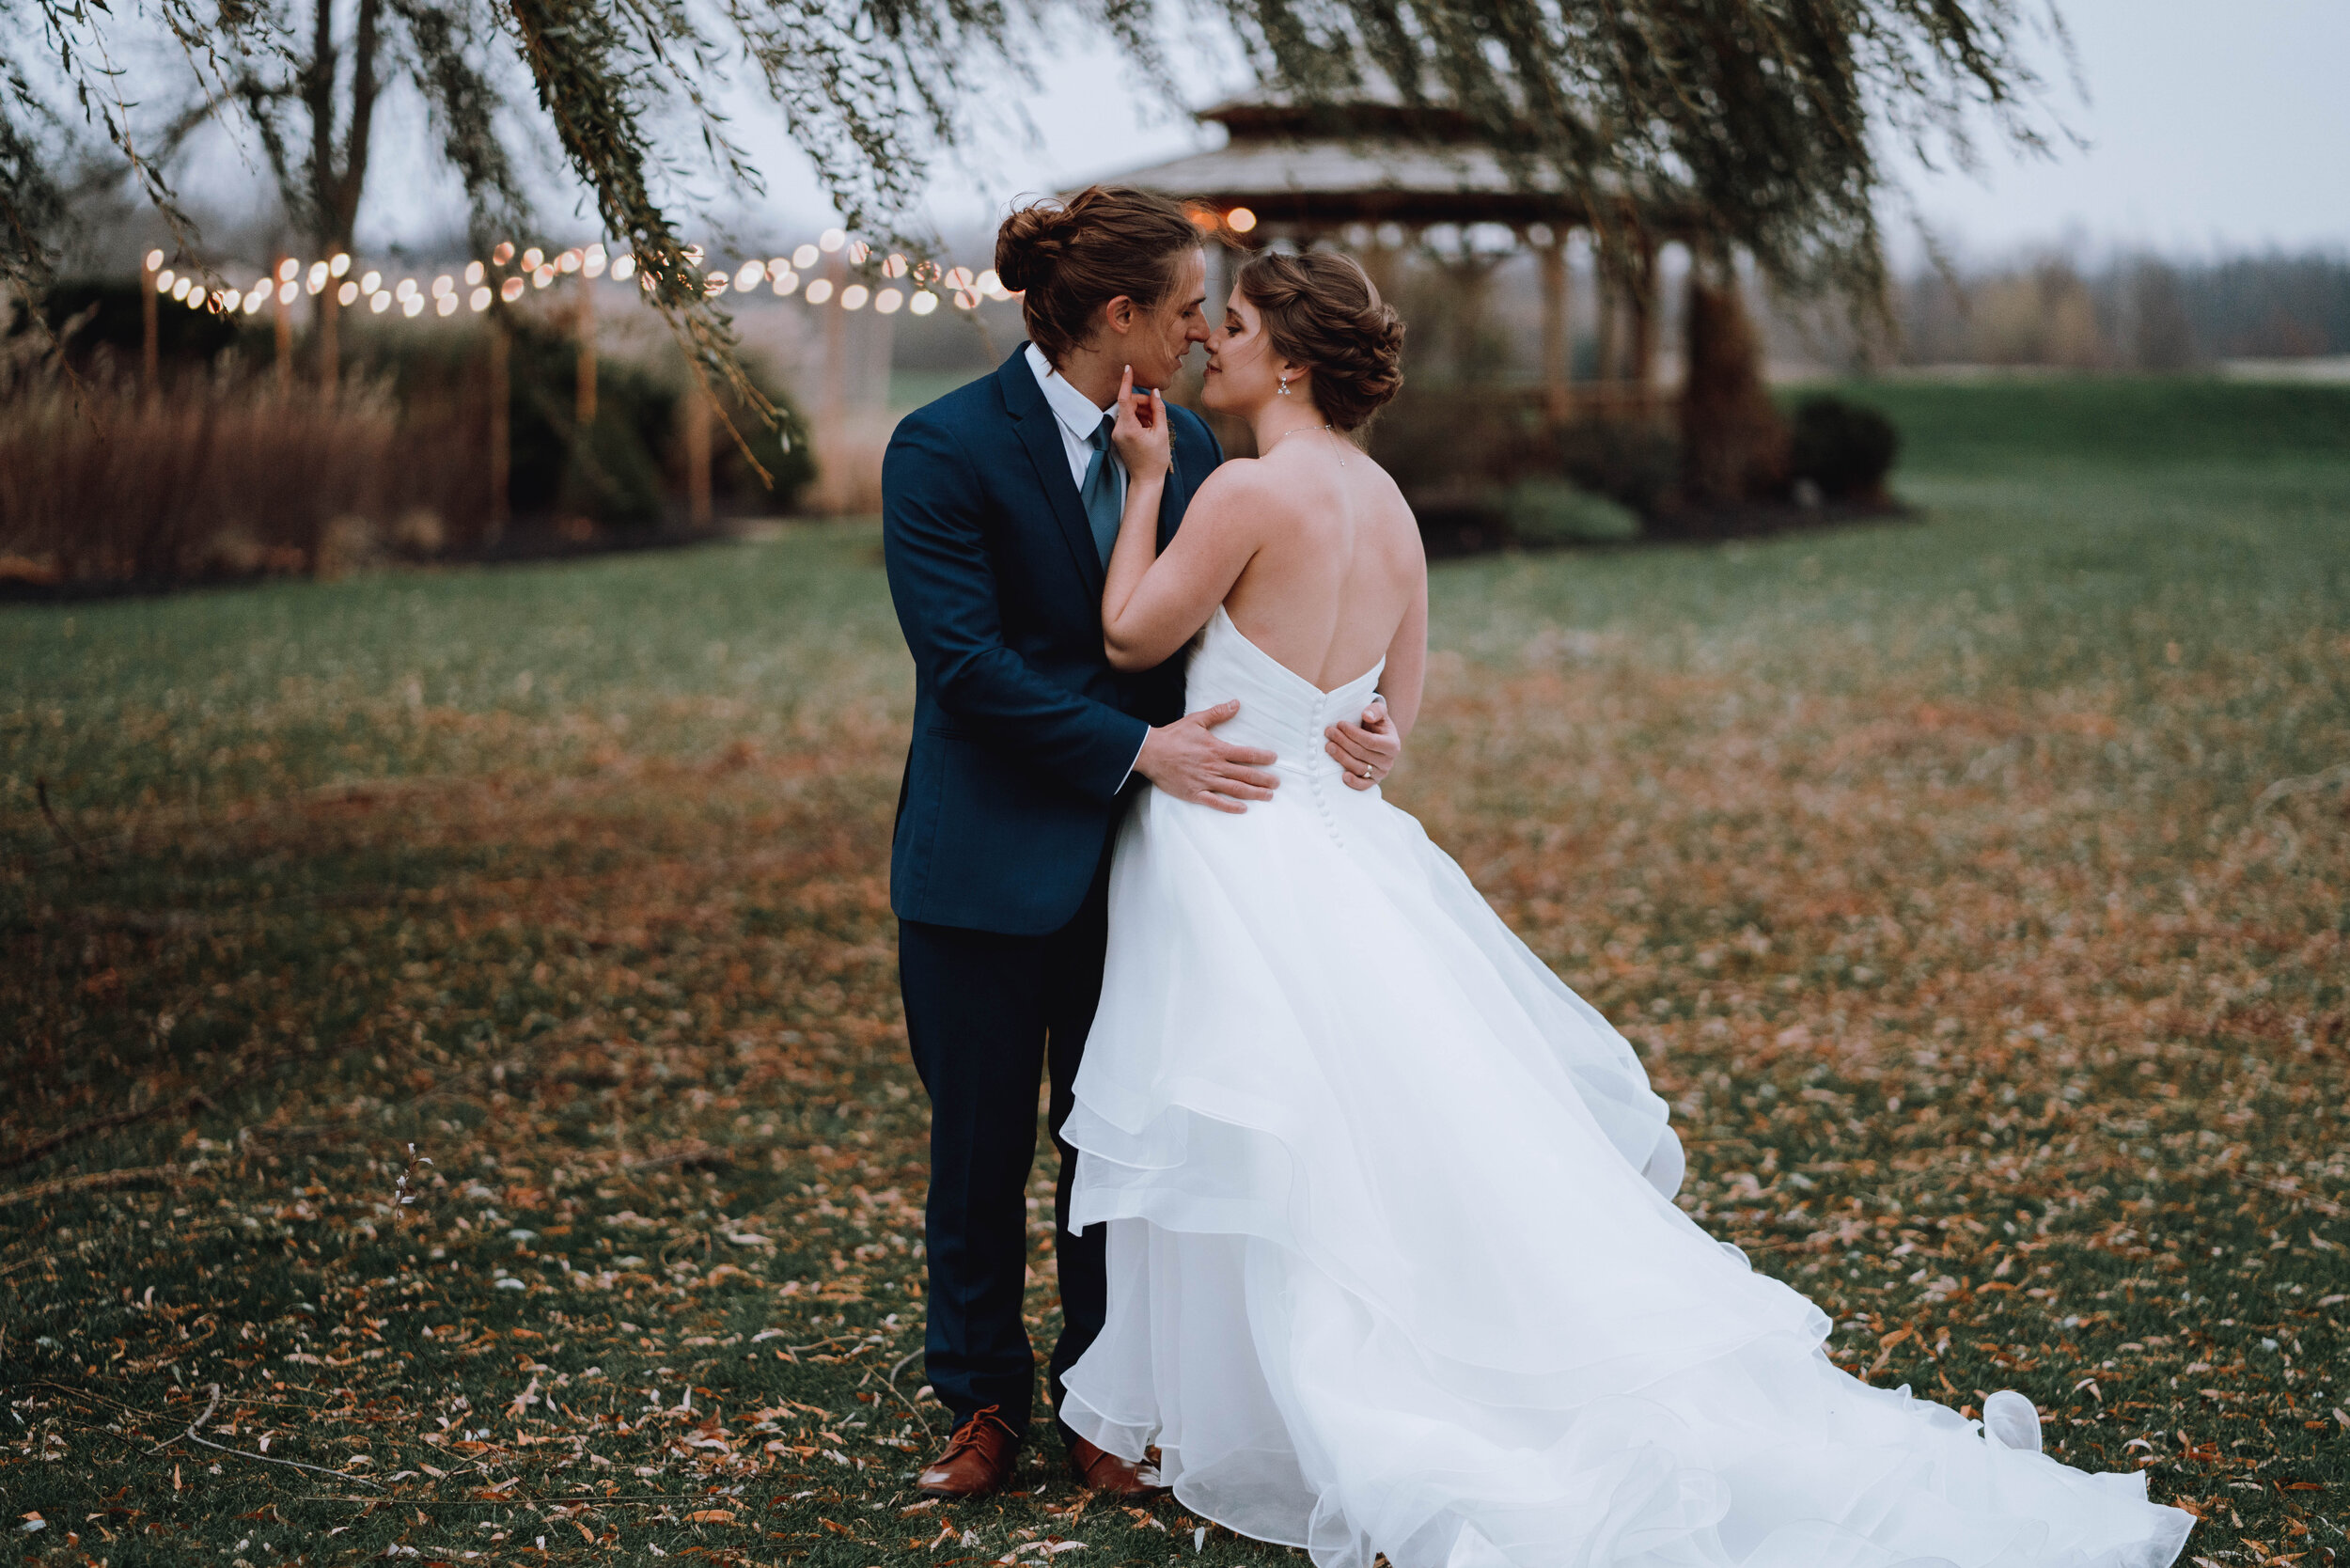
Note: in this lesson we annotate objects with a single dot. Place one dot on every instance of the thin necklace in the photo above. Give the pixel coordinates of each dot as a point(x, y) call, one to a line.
point(1296, 430)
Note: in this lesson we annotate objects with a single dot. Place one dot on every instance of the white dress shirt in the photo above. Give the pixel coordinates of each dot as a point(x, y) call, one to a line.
point(1078, 417)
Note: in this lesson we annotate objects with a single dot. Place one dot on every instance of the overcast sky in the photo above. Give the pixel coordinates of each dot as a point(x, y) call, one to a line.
point(2212, 125)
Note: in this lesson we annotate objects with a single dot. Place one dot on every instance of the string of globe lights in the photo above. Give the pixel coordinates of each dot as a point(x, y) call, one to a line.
point(508, 275)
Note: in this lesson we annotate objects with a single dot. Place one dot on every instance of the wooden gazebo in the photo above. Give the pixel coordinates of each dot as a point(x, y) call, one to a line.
point(1378, 172)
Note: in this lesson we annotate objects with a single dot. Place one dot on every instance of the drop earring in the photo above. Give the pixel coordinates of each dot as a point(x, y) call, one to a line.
point(1285, 387)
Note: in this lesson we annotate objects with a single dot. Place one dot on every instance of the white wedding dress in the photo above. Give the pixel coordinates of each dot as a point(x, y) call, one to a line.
point(1394, 1265)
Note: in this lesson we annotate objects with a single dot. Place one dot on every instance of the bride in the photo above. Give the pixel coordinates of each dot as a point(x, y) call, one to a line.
point(1394, 1265)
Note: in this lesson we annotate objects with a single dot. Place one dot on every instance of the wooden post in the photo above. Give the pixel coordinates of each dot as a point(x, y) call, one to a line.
point(832, 415)
point(583, 394)
point(1644, 326)
point(501, 452)
point(696, 433)
point(285, 327)
point(330, 348)
point(1558, 343)
point(1609, 288)
point(149, 357)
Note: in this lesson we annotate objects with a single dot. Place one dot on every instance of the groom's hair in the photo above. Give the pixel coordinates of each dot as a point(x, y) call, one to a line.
point(1069, 258)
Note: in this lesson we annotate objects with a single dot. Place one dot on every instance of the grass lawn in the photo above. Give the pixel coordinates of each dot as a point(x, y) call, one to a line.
point(455, 1100)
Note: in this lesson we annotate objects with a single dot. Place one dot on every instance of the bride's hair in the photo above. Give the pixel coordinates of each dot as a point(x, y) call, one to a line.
point(1322, 310)
point(1069, 258)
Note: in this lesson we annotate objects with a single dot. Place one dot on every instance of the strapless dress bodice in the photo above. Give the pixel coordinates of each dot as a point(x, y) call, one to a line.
point(1280, 710)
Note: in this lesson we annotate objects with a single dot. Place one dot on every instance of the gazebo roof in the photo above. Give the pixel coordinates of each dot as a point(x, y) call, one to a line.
point(1377, 159)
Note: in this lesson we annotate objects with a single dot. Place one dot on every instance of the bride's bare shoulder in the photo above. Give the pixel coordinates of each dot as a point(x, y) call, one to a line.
point(1238, 485)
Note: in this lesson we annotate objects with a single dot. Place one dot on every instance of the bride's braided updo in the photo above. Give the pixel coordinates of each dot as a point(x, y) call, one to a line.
point(1322, 310)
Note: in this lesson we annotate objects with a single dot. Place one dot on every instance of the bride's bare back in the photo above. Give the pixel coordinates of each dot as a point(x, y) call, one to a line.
point(1338, 569)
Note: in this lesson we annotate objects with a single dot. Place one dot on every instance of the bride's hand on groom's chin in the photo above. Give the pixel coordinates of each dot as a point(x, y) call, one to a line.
point(1185, 760)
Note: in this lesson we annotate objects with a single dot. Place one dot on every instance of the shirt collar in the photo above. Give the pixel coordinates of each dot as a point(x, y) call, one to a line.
point(1076, 412)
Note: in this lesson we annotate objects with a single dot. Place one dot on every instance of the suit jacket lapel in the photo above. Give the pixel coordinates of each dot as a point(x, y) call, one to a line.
point(1040, 432)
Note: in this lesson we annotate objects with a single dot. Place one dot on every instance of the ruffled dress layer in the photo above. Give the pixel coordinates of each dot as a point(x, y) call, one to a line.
point(1394, 1263)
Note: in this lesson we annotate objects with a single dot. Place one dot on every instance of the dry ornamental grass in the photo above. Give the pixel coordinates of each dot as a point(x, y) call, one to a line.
point(458, 1108)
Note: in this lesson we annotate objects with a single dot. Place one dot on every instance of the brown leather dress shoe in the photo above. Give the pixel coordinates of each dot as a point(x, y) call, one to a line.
point(978, 1460)
point(1099, 1470)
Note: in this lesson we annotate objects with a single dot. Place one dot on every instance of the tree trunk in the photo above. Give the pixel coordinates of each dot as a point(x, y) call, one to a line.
point(1733, 440)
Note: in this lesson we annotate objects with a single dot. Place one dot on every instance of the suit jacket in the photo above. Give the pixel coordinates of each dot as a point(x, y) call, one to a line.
point(1023, 733)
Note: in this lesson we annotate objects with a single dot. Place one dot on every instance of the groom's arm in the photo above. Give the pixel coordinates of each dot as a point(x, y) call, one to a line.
point(945, 590)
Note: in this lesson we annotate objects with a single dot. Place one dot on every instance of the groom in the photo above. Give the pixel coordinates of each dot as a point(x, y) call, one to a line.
point(1001, 503)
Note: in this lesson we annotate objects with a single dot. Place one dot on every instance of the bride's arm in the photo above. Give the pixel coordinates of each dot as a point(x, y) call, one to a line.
point(1407, 675)
point(1151, 603)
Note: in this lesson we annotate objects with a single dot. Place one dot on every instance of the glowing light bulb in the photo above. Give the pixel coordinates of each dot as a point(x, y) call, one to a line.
point(179, 287)
point(154, 260)
point(1240, 220)
point(595, 262)
point(320, 273)
point(287, 292)
point(407, 287)
point(896, 266)
point(474, 272)
point(569, 261)
point(289, 270)
point(443, 285)
point(196, 299)
point(750, 274)
point(503, 254)
point(715, 284)
point(446, 305)
point(256, 296)
point(858, 251)
point(544, 276)
point(412, 306)
point(806, 256)
point(966, 300)
point(831, 240)
point(380, 300)
point(479, 300)
point(818, 291)
point(923, 303)
point(370, 281)
point(163, 281)
point(339, 265)
point(887, 301)
point(622, 267)
point(512, 290)
point(988, 284)
point(348, 292)
point(960, 278)
point(853, 296)
point(786, 280)
point(531, 258)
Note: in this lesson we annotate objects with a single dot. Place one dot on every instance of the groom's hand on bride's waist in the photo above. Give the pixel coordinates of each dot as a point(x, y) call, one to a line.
point(1187, 761)
point(1366, 752)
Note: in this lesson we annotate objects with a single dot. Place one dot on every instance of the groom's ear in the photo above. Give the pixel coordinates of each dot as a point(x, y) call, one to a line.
point(1119, 314)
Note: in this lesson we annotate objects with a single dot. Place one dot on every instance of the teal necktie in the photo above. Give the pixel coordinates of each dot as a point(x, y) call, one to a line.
point(1105, 490)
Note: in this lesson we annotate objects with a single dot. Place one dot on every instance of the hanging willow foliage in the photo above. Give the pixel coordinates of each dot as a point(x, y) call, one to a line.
point(1771, 116)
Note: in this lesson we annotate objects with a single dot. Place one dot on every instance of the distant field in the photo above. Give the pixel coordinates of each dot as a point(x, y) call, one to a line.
point(2110, 422)
point(1978, 889)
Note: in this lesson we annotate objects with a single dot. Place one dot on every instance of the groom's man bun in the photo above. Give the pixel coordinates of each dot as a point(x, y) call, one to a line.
point(1069, 258)
point(1322, 310)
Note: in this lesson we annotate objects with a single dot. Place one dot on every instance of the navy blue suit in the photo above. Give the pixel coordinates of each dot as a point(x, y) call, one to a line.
point(1023, 739)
